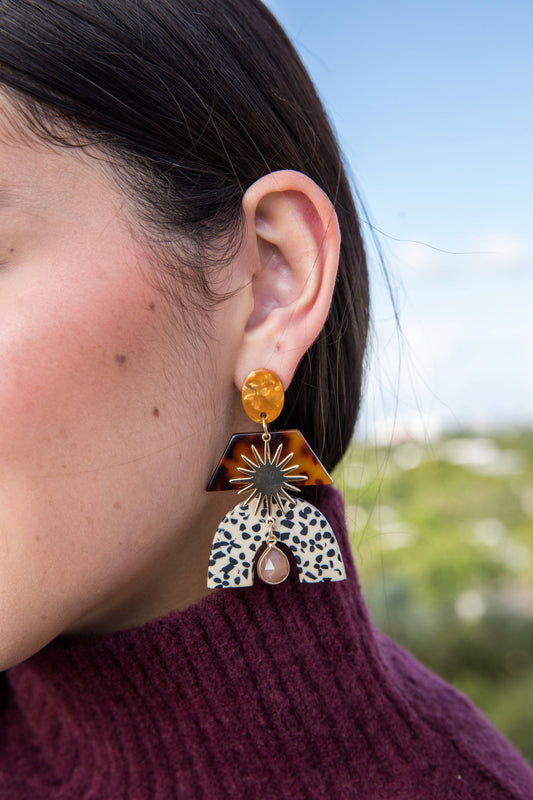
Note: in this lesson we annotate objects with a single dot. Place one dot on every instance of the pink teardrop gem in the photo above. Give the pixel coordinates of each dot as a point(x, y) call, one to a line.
point(273, 566)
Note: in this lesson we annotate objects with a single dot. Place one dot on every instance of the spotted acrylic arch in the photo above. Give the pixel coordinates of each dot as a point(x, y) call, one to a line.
point(301, 527)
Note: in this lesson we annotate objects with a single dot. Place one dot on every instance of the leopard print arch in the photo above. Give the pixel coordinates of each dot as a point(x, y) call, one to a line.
point(302, 528)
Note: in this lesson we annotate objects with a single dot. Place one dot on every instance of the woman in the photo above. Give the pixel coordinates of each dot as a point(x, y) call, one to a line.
point(172, 201)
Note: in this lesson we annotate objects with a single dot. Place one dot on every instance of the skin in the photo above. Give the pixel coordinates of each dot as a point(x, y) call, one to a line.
point(113, 416)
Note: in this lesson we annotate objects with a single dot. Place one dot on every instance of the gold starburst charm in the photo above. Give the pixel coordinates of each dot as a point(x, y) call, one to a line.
point(268, 479)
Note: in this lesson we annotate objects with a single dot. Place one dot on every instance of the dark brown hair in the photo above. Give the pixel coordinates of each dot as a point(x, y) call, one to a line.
point(197, 99)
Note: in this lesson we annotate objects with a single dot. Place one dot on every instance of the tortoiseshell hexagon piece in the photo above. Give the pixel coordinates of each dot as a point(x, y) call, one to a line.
point(293, 442)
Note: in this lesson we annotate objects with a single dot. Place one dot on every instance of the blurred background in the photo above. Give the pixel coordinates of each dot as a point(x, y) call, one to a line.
point(433, 106)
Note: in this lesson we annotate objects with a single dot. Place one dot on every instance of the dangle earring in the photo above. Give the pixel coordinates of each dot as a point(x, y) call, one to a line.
point(247, 540)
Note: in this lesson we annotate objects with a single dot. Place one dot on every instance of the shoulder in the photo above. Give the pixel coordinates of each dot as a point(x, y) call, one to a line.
point(464, 746)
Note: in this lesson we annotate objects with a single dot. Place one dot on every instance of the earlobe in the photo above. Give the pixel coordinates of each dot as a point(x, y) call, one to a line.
point(295, 241)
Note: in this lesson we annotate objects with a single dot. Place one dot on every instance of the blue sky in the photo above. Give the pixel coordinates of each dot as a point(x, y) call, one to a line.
point(433, 105)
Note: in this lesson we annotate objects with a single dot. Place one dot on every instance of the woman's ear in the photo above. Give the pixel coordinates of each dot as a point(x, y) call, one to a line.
point(293, 245)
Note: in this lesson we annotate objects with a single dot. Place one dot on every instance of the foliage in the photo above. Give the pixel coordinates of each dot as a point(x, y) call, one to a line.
point(443, 538)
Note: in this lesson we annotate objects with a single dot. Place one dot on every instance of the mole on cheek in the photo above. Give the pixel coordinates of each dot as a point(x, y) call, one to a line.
point(120, 360)
point(152, 306)
point(155, 412)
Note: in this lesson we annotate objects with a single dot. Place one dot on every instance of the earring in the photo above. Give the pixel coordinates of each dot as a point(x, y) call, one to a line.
point(246, 540)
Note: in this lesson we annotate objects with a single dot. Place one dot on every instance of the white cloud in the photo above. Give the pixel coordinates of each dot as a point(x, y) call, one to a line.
point(504, 250)
point(494, 251)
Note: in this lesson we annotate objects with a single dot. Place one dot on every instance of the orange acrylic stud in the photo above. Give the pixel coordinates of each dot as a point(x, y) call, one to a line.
point(262, 395)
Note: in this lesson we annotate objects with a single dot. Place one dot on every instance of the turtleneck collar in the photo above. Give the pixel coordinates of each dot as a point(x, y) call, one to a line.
point(256, 692)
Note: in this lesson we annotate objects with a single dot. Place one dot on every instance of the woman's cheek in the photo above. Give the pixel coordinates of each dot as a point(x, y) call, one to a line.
point(71, 367)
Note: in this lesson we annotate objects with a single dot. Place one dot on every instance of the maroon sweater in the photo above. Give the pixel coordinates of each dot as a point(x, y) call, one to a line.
point(255, 693)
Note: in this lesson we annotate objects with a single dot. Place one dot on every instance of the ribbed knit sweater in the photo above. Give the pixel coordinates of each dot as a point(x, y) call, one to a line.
point(257, 693)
